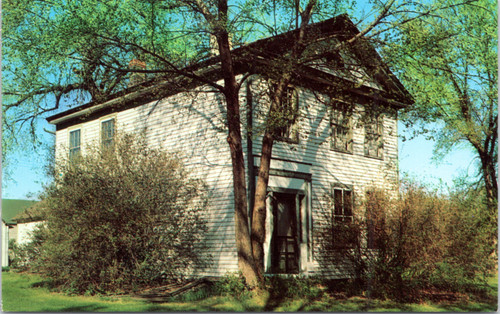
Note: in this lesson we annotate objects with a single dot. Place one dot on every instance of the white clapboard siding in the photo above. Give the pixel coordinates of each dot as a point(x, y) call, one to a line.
point(329, 166)
point(191, 125)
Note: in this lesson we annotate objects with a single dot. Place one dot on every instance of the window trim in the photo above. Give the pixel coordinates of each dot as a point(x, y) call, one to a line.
point(70, 131)
point(103, 120)
point(344, 188)
point(340, 224)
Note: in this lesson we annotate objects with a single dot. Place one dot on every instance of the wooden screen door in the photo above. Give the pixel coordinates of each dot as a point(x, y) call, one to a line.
point(284, 242)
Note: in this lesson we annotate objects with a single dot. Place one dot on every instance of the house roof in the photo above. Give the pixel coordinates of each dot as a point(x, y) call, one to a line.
point(257, 58)
point(13, 207)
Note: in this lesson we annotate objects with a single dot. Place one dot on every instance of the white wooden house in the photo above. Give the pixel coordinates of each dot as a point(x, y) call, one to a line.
point(342, 141)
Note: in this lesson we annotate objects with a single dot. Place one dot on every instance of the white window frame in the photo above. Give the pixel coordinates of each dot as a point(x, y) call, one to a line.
point(340, 218)
point(340, 214)
point(101, 122)
point(71, 130)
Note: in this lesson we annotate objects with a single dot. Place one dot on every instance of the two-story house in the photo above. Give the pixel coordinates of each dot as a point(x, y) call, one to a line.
point(341, 139)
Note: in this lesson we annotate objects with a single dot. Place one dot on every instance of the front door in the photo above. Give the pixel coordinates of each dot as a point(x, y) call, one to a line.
point(284, 241)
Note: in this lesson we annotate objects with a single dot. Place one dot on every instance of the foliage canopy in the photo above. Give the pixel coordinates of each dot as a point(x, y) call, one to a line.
point(448, 61)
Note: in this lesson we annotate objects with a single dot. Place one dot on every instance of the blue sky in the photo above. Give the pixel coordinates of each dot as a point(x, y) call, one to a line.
point(415, 159)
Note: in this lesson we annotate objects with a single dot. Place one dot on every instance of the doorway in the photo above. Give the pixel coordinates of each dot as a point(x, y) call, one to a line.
point(284, 241)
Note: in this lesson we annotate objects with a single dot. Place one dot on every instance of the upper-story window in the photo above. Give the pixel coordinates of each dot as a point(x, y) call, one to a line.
point(288, 130)
point(341, 128)
point(107, 132)
point(74, 143)
point(374, 140)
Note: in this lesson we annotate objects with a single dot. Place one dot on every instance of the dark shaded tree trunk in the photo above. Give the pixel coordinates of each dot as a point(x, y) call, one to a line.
point(246, 262)
point(258, 235)
point(259, 210)
point(489, 178)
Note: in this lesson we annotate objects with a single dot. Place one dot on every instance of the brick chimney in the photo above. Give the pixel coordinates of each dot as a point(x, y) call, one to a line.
point(136, 77)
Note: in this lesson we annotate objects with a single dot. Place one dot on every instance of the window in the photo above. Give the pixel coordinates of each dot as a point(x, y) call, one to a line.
point(107, 133)
point(342, 204)
point(74, 144)
point(288, 129)
point(341, 128)
point(374, 144)
point(344, 233)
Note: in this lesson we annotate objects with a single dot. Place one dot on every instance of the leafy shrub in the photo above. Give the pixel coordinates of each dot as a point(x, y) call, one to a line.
point(232, 284)
point(25, 256)
point(121, 218)
point(418, 241)
point(294, 287)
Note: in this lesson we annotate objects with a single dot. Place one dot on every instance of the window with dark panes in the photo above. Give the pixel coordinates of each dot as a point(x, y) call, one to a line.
point(288, 130)
point(343, 235)
point(74, 143)
point(107, 133)
point(374, 142)
point(341, 128)
point(342, 200)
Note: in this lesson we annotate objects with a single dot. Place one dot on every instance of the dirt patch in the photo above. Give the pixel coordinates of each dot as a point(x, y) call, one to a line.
point(163, 293)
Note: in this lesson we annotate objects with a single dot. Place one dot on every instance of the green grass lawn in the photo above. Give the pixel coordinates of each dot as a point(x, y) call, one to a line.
point(25, 293)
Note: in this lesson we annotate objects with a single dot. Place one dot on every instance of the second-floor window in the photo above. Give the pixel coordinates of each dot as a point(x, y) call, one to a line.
point(341, 128)
point(74, 143)
point(107, 133)
point(288, 131)
point(374, 141)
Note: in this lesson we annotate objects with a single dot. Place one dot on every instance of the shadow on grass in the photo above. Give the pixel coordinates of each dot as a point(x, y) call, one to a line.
point(216, 304)
point(44, 283)
point(79, 308)
point(275, 300)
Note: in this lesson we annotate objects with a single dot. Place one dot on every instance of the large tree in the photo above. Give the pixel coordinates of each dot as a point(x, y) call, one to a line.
point(65, 48)
point(448, 61)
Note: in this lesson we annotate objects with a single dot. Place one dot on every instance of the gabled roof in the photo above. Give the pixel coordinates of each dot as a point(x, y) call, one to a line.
point(257, 58)
point(13, 207)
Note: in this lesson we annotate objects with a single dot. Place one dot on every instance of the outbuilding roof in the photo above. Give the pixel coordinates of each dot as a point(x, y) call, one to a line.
point(13, 207)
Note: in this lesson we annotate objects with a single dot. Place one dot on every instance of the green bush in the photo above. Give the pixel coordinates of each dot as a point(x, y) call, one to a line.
point(120, 219)
point(294, 287)
point(232, 284)
point(25, 256)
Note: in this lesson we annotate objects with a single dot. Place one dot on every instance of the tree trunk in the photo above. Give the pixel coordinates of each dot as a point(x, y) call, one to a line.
point(246, 262)
point(490, 179)
point(259, 209)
